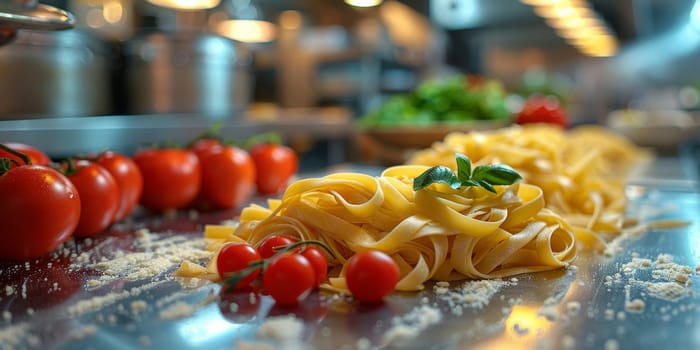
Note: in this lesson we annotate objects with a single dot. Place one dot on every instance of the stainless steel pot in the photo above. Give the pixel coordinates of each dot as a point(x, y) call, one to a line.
point(184, 72)
point(54, 74)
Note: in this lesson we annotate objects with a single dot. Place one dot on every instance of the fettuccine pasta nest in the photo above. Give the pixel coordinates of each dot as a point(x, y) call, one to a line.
point(569, 195)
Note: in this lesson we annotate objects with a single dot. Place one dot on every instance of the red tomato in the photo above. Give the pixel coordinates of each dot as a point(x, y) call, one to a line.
point(205, 145)
point(289, 278)
point(128, 176)
point(268, 245)
point(171, 178)
point(236, 257)
point(371, 275)
point(39, 210)
point(35, 155)
point(540, 109)
point(228, 176)
point(275, 165)
point(319, 263)
point(99, 197)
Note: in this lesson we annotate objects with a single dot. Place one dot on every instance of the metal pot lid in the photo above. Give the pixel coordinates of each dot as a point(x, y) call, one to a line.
point(14, 15)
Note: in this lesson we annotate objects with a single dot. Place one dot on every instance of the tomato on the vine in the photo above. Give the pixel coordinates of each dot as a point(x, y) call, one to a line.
point(128, 177)
point(542, 109)
point(237, 257)
point(228, 176)
point(99, 197)
point(289, 278)
point(171, 178)
point(39, 210)
point(268, 247)
point(36, 156)
point(371, 275)
point(275, 165)
point(318, 261)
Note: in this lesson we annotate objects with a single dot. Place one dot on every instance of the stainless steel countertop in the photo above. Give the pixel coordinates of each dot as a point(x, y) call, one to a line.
point(582, 307)
point(66, 137)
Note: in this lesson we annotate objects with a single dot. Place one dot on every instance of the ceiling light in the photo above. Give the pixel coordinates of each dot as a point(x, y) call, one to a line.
point(248, 31)
point(186, 4)
point(363, 3)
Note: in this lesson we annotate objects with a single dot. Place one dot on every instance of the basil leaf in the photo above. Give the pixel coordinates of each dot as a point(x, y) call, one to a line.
point(470, 183)
point(496, 174)
point(464, 167)
point(436, 174)
point(487, 186)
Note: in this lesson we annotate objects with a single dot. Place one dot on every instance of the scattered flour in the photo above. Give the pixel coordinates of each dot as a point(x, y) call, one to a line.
point(474, 294)
point(18, 336)
point(82, 332)
point(155, 256)
point(549, 309)
point(281, 329)
point(411, 324)
point(177, 310)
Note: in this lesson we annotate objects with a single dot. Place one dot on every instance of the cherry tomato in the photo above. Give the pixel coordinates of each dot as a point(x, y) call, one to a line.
point(171, 178)
point(268, 245)
point(99, 197)
point(236, 257)
point(35, 155)
point(228, 176)
point(128, 176)
point(319, 263)
point(275, 165)
point(541, 109)
point(289, 278)
point(371, 275)
point(39, 210)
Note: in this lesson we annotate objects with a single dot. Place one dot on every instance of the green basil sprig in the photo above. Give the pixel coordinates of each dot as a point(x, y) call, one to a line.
point(485, 176)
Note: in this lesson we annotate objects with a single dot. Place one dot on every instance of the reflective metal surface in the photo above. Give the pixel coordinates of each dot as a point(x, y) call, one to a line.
point(29, 15)
point(592, 305)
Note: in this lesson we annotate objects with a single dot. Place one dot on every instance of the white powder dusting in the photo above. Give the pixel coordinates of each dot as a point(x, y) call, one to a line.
point(18, 336)
point(549, 309)
point(82, 332)
point(177, 310)
point(411, 324)
point(155, 255)
point(137, 306)
point(573, 308)
point(95, 303)
point(568, 342)
point(473, 294)
point(667, 290)
point(282, 329)
point(611, 344)
point(635, 305)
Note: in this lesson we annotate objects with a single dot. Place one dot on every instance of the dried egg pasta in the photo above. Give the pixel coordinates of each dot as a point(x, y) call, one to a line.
point(434, 233)
point(582, 171)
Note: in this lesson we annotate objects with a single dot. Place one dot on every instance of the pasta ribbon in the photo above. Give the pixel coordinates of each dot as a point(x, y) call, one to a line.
point(436, 232)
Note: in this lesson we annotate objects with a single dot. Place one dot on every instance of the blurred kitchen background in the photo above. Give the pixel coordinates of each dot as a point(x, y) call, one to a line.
point(129, 71)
